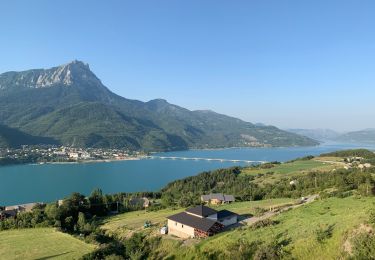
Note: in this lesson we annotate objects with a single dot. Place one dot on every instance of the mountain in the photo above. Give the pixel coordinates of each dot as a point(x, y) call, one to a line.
point(71, 105)
point(316, 134)
point(10, 137)
point(366, 136)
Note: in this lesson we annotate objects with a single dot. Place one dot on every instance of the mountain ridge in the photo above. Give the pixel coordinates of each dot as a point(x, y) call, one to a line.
point(365, 136)
point(70, 104)
point(320, 134)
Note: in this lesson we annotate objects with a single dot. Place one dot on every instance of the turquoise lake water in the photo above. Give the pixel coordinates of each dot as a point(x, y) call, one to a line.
point(49, 182)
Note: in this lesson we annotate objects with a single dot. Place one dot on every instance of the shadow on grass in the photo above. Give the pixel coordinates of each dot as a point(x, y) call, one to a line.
point(52, 256)
point(244, 216)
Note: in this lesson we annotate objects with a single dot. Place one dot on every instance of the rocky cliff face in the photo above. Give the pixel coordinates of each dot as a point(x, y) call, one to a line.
point(40, 78)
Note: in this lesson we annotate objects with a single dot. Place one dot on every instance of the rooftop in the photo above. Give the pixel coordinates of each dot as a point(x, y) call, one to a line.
point(202, 211)
point(218, 196)
point(225, 213)
point(203, 224)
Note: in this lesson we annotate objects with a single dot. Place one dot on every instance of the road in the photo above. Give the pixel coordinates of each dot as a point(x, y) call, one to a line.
point(250, 221)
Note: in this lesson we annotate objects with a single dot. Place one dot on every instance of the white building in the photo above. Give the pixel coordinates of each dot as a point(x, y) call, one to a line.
point(74, 156)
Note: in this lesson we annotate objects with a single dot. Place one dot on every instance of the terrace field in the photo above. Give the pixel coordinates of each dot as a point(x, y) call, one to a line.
point(41, 243)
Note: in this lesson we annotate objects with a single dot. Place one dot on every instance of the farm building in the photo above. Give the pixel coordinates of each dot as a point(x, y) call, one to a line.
point(217, 198)
point(141, 202)
point(12, 211)
point(23, 208)
point(200, 221)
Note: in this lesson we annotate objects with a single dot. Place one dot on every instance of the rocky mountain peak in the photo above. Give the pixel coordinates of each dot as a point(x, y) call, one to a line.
point(66, 75)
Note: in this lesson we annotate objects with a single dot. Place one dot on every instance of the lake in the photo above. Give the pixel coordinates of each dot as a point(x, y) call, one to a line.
point(49, 182)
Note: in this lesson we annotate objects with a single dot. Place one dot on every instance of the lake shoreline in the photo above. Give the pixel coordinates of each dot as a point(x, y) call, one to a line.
point(75, 162)
point(52, 181)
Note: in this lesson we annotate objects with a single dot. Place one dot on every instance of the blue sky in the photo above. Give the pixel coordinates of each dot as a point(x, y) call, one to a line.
point(298, 64)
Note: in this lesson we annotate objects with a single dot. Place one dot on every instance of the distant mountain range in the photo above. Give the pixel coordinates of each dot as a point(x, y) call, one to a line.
point(317, 134)
point(69, 105)
point(366, 136)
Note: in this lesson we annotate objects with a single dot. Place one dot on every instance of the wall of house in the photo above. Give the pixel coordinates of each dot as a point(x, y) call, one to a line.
point(229, 220)
point(215, 201)
point(180, 230)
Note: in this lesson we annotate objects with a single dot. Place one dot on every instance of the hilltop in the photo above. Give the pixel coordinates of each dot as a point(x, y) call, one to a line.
point(70, 105)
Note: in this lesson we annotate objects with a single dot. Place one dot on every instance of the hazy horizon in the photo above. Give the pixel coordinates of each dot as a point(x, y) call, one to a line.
point(296, 65)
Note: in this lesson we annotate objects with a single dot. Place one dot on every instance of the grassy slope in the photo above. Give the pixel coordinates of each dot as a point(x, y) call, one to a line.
point(288, 169)
point(124, 224)
point(299, 225)
point(41, 243)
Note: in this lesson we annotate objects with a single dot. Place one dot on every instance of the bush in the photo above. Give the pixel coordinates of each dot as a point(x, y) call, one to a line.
point(264, 223)
point(323, 233)
point(274, 250)
point(107, 250)
point(259, 211)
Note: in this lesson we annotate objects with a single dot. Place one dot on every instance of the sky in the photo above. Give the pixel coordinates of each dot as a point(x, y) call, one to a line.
point(292, 64)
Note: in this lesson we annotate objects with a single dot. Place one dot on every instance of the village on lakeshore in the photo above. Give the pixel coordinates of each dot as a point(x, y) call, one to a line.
point(53, 154)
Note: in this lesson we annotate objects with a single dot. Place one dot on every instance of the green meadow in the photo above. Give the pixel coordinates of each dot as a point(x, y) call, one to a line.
point(299, 227)
point(288, 169)
point(125, 224)
point(41, 243)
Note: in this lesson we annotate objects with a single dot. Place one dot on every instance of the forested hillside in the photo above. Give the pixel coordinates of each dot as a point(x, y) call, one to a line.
point(71, 105)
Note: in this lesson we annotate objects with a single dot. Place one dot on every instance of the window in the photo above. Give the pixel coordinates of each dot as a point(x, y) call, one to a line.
point(182, 226)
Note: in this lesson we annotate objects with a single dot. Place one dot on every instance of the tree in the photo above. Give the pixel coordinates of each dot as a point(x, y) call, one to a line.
point(69, 223)
point(97, 203)
point(81, 222)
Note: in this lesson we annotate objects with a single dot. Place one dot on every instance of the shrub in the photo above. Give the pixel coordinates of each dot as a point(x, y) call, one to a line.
point(323, 233)
point(259, 211)
point(274, 250)
point(264, 223)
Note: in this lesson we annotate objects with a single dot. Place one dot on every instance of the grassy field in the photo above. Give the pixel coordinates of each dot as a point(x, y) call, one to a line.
point(41, 243)
point(248, 207)
point(124, 224)
point(299, 225)
point(289, 169)
point(330, 159)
